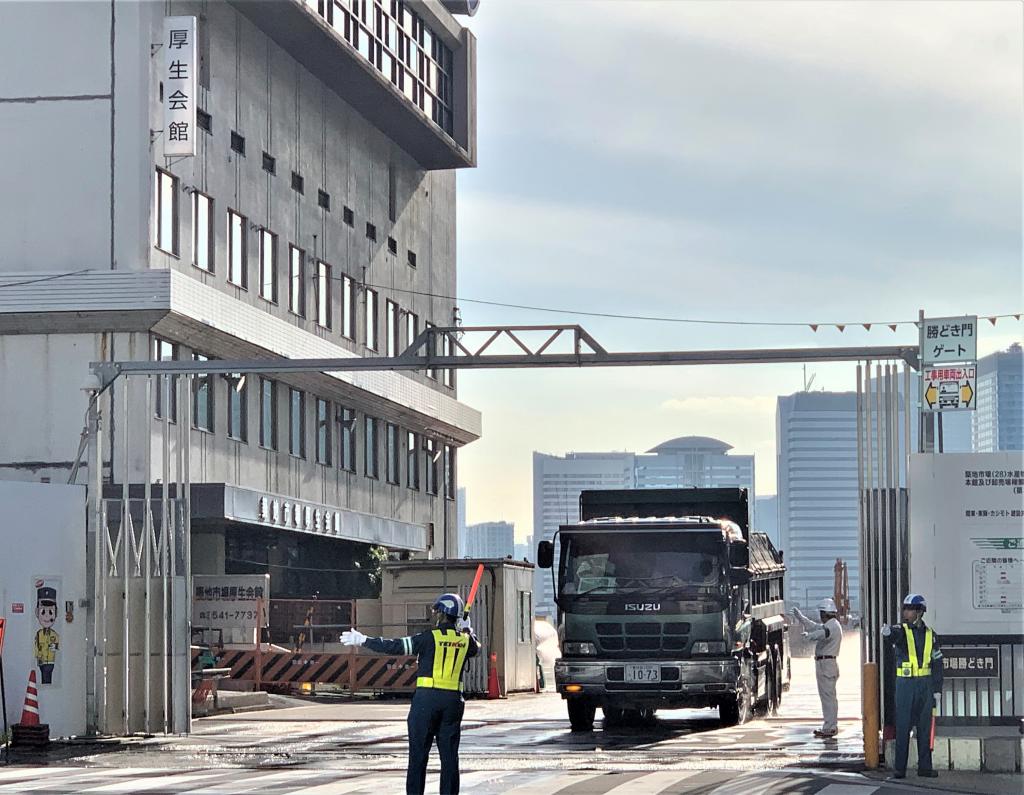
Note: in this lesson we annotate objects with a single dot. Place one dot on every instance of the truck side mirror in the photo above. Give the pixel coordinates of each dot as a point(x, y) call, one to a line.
point(739, 576)
point(739, 556)
point(545, 554)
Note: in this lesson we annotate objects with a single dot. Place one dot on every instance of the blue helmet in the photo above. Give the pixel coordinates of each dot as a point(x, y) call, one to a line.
point(450, 604)
point(915, 601)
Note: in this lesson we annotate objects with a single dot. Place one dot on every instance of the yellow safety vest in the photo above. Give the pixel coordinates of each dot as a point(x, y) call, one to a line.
point(450, 649)
point(911, 667)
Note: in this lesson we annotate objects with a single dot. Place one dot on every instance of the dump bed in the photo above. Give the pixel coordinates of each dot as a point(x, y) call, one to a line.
point(730, 503)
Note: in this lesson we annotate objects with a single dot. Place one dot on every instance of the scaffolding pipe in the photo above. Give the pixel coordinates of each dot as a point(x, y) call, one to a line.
point(147, 547)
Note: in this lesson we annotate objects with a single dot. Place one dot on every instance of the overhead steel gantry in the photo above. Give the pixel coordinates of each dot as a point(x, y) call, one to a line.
point(425, 353)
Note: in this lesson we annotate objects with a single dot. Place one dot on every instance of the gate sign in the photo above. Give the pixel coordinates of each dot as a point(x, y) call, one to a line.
point(178, 76)
point(952, 388)
point(230, 601)
point(949, 339)
point(970, 663)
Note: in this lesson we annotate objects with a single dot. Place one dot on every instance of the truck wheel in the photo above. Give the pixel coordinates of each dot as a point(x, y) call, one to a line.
point(613, 716)
point(778, 682)
point(738, 709)
point(581, 714)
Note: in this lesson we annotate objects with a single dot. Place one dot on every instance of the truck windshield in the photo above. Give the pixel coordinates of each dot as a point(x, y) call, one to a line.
point(608, 563)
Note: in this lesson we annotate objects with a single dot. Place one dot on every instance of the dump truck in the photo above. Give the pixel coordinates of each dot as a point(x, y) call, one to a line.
point(666, 599)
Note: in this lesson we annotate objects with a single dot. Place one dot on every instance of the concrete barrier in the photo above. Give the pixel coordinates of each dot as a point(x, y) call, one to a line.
point(984, 754)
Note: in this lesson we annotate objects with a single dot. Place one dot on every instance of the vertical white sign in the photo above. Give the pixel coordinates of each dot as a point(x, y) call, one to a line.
point(180, 85)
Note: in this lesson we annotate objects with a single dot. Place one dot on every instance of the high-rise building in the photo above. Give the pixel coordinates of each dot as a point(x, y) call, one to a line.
point(766, 517)
point(998, 421)
point(686, 462)
point(489, 540)
point(525, 551)
point(262, 180)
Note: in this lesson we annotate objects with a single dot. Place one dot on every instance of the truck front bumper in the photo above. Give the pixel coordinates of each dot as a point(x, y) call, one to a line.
point(682, 680)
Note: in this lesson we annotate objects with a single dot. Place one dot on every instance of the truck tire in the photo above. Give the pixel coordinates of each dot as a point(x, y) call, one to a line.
point(613, 716)
point(581, 714)
point(739, 708)
point(777, 702)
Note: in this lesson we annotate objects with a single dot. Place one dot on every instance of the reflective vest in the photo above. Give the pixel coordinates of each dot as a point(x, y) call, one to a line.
point(450, 649)
point(911, 668)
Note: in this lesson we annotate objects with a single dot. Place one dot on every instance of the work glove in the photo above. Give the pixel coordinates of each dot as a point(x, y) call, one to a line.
point(805, 634)
point(886, 630)
point(463, 625)
point(353, 638)
point(938, 701)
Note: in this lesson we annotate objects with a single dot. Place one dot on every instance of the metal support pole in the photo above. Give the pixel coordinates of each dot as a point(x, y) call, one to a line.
point(95, 513)
point(126, 545)
point(905, 466)
point(147, 546)
point(165, 522)
point(870, 693)
point(871, 609)
point(184, 503)
point(860, 512)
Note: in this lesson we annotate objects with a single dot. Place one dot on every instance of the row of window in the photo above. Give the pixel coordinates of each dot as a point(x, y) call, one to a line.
point(418, 461)
point(401, 326)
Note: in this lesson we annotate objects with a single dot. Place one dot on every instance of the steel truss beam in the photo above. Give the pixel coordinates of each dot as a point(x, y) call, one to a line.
point(457, 353)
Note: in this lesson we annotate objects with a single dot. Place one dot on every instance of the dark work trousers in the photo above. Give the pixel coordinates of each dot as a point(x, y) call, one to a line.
point(914, 703)
point(435, 714)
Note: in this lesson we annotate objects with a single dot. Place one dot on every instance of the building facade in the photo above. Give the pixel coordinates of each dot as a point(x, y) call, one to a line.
point(998, 422)
point(488, 540)
point(686, 462)
point(316, 219)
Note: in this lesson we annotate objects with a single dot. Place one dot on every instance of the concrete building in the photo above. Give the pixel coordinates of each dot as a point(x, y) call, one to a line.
point(686, 462)
point(766, 517)
point(998, 422)
point(315, 219)
point(488, 540)
point(525, 551)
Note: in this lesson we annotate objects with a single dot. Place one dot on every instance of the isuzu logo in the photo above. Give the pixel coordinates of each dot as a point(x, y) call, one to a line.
point(643, 607)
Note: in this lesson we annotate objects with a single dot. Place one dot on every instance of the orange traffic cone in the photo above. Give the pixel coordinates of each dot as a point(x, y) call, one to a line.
point(30, 712)
point(493, 688)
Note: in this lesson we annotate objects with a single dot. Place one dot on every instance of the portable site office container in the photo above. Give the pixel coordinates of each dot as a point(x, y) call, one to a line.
point(502, 615)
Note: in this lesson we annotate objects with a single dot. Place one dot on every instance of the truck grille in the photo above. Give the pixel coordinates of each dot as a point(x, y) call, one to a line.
point(613, 636)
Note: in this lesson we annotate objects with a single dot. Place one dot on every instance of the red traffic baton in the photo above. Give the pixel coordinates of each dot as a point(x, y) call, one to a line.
point(472, 591)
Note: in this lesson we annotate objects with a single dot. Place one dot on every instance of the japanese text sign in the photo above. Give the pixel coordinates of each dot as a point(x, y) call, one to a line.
point(178, 75)
point(974, 663)
point(950, 388)
point(230, 601)
point(949, 339)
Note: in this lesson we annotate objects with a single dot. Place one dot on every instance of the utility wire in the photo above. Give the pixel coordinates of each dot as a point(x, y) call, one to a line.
point(49, 278)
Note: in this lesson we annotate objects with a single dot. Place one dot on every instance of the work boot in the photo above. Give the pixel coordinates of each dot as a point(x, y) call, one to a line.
point(928, 773)
point(899, 774)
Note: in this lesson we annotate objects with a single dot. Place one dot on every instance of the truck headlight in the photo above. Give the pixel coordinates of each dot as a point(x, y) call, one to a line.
point(579, 649)
point(708, 647)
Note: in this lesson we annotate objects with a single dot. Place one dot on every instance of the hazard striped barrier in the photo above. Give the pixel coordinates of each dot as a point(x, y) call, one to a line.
point(354, 672)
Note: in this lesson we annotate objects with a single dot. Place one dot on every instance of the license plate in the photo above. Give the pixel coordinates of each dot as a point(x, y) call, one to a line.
point(643, 673)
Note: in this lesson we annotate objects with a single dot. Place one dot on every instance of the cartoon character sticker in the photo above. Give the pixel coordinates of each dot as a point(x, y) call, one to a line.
point(47, 641)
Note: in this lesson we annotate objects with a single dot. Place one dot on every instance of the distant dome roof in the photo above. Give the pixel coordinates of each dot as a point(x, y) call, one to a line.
point(692, 444)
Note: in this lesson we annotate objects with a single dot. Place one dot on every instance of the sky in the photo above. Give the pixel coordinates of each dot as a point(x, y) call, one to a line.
point(812, 162)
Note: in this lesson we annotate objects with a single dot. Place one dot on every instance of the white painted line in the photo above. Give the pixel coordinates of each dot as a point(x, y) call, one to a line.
point(653, 782)
point(848, 789)
point(15, 773)
point(155, 782)
point(549, 785)
point(345, 786)
point(44, 780)
point(243, 781)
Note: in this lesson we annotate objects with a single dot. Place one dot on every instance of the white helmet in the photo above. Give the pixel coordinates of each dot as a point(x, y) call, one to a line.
point(827, 605)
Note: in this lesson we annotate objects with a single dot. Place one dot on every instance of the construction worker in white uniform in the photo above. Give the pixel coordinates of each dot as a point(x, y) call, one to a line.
point(828, 637)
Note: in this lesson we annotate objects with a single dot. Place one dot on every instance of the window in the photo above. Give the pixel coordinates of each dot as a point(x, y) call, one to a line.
point(392, 246)
point(202, 398)
point(202, 231)
point(268, 265)
point(394, 453)
point(524, 613)
point(411, 258)
point(372, 341)
point(297, 423)
point(268, 414)
point(324, 421)
point(449, 472)
point(238, 407)
point(347, 454)
point(412, 460)
point(166, 385)
point(433, 453)
point(297, 281)
point(165, 206)
point(392, 193)
point(392, 319)
point(348, 216)
point(371, 463)
point(348, 307)
point(412, 328)
point(323, 294)
point(432, 350)
point(371, 231)
point(204, 120)
point(236, 250)
point(237, 143)
point(298, 183)
point(269, 164)
point(324, 200)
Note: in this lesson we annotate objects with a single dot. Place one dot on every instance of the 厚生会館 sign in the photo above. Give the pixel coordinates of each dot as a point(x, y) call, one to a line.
point(237, 604)
point(178, 75)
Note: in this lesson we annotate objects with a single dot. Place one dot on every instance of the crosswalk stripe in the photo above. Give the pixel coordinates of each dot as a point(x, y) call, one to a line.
point(848, 789)
point(157, 782)
point(350, 785)
point(30, 772)
point(238, 781)
point(43, 779)
point(652, 782)
point(549, 785)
